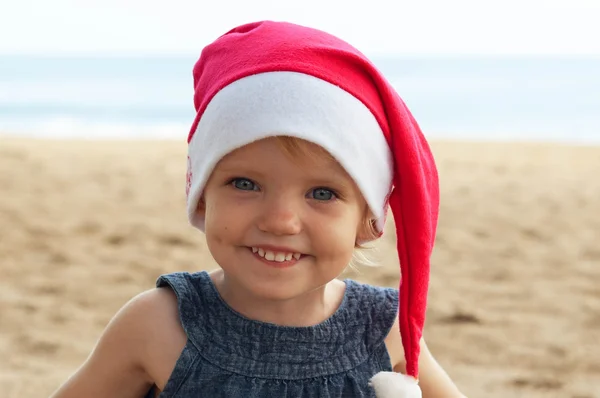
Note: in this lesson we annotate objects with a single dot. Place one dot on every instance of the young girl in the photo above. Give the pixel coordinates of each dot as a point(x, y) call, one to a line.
point(298, 147)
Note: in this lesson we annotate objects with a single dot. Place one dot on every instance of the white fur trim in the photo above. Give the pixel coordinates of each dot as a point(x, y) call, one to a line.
point(395, 385)
point(297, 105)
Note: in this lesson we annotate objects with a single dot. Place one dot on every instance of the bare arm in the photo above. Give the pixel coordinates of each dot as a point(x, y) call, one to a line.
point(115, 366)
point(433, 379)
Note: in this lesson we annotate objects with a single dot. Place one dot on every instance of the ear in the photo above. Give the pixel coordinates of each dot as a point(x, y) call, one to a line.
point(361, 232)
point(365, 231)
point(201, 208)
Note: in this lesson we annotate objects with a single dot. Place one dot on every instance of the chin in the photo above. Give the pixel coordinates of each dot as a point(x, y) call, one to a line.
point(277, 289)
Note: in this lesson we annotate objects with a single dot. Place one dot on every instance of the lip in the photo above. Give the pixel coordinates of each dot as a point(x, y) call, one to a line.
point(275, 264)
point(280, 249)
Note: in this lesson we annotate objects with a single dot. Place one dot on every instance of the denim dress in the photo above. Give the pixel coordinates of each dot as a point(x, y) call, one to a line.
point(229, 355)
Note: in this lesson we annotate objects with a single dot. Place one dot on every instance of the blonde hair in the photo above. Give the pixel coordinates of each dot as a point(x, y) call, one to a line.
point(296, 149)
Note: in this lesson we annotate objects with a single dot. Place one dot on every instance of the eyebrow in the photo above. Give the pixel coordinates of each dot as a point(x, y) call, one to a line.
point(236, 168)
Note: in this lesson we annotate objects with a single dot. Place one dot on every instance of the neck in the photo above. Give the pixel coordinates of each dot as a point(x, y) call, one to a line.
point(308, 309)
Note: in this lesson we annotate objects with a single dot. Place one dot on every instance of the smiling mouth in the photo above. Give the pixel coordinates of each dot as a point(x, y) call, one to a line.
point(276, 257)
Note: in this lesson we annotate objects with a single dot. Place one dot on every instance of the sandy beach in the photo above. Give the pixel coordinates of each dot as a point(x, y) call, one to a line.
point(514, 307)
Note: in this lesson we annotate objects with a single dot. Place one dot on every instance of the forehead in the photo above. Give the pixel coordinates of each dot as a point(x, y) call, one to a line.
point(283, 152)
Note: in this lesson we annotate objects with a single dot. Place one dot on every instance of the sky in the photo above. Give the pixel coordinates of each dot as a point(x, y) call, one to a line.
point(416, 27)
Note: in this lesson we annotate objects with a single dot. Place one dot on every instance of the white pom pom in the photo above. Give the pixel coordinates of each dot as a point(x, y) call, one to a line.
point(395, 385)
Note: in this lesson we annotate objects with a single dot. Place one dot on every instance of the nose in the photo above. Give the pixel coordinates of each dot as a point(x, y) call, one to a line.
point(280, 216)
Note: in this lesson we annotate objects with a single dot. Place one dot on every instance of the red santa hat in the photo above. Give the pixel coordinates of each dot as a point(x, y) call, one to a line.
point(272, 78)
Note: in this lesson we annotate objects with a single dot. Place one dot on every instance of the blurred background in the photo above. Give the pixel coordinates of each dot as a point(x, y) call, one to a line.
point(96, 103)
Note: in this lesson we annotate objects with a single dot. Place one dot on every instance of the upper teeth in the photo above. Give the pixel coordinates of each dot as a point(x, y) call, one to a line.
point(275, 256)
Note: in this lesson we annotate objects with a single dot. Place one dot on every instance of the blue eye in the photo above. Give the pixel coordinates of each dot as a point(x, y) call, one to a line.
point(244, 184)
point(323, 194)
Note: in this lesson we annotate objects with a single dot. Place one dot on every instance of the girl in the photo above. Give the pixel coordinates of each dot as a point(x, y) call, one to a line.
point(298, 147)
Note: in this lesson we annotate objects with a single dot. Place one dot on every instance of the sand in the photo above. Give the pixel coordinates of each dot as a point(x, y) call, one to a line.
point(515, 291)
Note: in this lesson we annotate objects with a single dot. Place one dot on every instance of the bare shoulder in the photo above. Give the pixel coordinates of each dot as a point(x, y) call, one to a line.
point(149, 318)
point(123, 362)
point(156, 307)
point(165, 337)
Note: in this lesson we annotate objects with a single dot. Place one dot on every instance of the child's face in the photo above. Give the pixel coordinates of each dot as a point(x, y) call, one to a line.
point(260, 197)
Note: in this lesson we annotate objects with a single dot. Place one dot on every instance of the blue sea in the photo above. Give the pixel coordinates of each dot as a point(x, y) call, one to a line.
point(478, 98)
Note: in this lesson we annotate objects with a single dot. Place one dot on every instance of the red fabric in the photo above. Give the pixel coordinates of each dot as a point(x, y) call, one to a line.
point(275, 46)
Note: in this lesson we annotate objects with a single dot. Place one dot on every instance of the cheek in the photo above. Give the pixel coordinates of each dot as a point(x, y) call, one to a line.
point(217, 207)
point(338, 235)
point(217, 221)
point(211, 214)
point(225, 220)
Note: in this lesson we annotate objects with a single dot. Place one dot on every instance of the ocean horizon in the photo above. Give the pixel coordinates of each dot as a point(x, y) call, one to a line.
point(483, 98)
